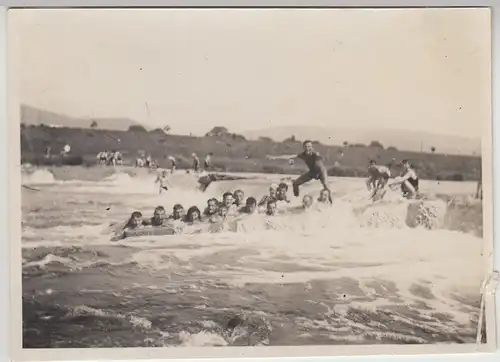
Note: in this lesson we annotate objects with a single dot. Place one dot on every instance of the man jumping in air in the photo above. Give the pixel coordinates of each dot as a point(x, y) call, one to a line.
point(317, 169)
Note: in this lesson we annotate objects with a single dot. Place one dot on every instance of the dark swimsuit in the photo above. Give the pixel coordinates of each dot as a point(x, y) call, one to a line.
point(413, 182)
point(311, 160)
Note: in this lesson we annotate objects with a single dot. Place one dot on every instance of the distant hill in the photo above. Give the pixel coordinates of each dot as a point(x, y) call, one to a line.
point(34, 116)
point(401, 139)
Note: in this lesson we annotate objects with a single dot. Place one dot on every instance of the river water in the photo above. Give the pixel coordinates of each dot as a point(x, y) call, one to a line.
point(354, 273)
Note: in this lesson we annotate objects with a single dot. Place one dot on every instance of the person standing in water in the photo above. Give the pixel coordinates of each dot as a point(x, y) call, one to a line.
point(408, 181)
point(162, 179)
point(378, 177)
point(317, 169)
point(173, 162)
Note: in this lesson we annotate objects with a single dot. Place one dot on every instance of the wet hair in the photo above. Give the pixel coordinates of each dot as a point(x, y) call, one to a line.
point(222, 207)
point(178, 206)
point(136, 214)
point(213, 199)
point(191, 211)
point(283, 186)
point(271, 201)
point(306, 141)
point(251, 201)
point(239, 190)
point(405, 161)
point(159, 208)
point(371, 162)
point(227, 194)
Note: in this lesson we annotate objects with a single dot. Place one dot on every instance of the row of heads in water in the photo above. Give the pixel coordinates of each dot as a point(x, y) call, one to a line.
point(232, 204)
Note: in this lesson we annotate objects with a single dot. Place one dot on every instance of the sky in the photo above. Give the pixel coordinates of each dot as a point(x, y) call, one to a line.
point(415, 69)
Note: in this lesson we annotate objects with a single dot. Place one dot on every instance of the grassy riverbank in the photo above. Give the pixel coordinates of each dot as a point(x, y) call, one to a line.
point(231, 153)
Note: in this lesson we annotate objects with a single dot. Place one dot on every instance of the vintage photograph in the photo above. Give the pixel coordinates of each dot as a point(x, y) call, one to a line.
point(251, 177)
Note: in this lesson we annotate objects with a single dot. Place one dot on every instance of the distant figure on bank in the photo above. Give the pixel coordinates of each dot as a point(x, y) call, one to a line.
point(479, 190)
point(117, 158)
point(317, 169)
point(162, 179)
point(378, 177)
point(47, 152)
point(173, 163)
point(208, 161)
point(408, 181)
point(139, 162)
point(196, 162)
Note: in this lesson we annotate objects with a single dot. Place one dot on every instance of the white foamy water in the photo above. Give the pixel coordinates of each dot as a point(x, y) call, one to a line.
point(370, 257)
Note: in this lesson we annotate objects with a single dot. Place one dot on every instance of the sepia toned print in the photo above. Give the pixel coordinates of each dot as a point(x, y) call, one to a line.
point(220, 179)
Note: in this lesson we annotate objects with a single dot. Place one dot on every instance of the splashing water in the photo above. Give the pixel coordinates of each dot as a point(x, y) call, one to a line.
point(388, 272)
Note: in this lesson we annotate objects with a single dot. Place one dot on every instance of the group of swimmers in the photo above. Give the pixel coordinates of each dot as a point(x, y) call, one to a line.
point(232, 206)
point(379, 178)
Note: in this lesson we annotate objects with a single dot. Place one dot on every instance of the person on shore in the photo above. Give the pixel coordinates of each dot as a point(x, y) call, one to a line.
point(378, 177)
point(408, 180)
point(207, 165)
point(317, 169)
point(162, 179)
point(173, 163)
point(479, 189)
point(159, 218)
point(196, 163)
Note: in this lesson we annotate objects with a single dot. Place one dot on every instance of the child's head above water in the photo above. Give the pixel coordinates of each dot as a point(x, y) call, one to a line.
point(272, 190)
point(135, 219)
point(212, 205)
point(227, 198)
point(271, 207)
point(282, 191)
point(324, 196)
point(251, 204)
point(159, 212)
point(239, 196)
point(178, 212)
point(222, 210)
point(307, 201)
point(193, 214)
